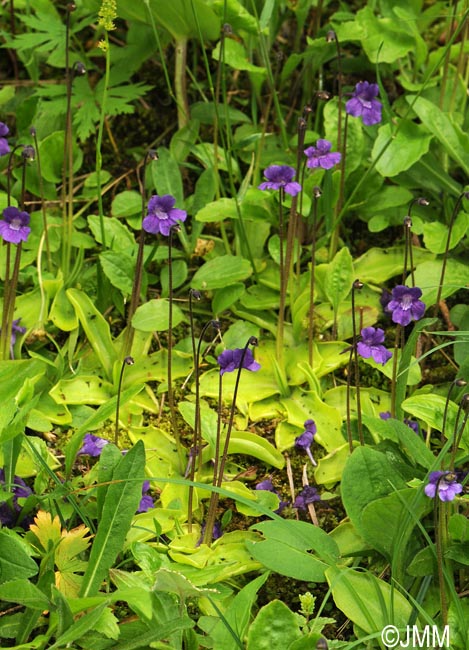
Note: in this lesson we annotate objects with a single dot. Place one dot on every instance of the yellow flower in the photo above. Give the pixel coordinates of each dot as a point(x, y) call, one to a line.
point(107, 14)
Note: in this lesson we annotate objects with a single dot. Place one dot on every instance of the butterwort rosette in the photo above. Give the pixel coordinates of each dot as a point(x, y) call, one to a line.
point(405, 305)
point(162, 215)
point(372, 346)
point(306, 439)
point(364, 103)
point(281, 177)
point(322, 156)
point(444, 484)
point(230, 360)
point(14, 227)
point(4, 146)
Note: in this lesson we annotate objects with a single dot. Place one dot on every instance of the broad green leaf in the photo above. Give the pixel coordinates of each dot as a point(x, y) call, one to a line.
point(119, 268)
point(96, 329)
point(182, 18)
point(13, 377)
point(23, 592)
point(368, 475)
point(51, 150)
point(287, 548)
point(82, 389)
point(274, 628)
point(428, 274)
point(435, 234)
point(79, 627)
point(126, 204)
point(119, 507)
point(370, 603)
point(409, 144)
point(154, 316)
point(221, 272)
point(339, 278)
point(378, 265)
point(236, 56)
point(62, 313)
point(224, 298)
point(118, 236)
point(430, 408)
point(218, 211)
point(250, 444)
point(385, 40)
point(237, 616)
point(158, 632)
point(451, 137)
point(15, 562)
point(208, 112)
point(388, 523)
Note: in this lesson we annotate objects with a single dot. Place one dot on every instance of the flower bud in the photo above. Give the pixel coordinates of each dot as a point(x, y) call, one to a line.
point(196, 294)
point(253, 341)
point(129, 361)
point(79, 69)
point(317, 192)
point(323, 94)
point(423, 201)
point(357, 285)
point(331, 36)
point(28, 153)
point(32, 131)
point(407, 222)
point(152, 154)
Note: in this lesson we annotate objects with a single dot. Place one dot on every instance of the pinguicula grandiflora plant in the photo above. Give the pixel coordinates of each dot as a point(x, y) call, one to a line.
point(161, 475)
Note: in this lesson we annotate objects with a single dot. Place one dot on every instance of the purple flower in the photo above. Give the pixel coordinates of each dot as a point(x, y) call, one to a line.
point(267, 485)
point(412, 425)
point(92, 445)
point(305, 440)
point(146, 502)
point(363, 103)
point(443, 482)
point(322, 156)
point(280, 177)
point(386, 415)
point(217, 532)
point(405, 304)
point(230, 360)
point(15, 225)
point(308, 495)
point(9, 511)
point(370, 345)
point(162, 216)
point(4, 147)
point(15, 329)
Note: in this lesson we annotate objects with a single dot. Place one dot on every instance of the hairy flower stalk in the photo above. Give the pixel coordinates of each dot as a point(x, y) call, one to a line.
point(195, 455)
point(459, 430)
point(316, 197)
point(356, 286)
point(137, 285)
point(280, 177)
point(228, 361)
point(463, 195)
point(128, 361)
point(14, 229)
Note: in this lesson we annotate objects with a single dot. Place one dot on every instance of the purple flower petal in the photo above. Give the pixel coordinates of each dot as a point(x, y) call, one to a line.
point(162, 216)
point(322, 156)
point(92, 445)
point(370, 345)
point(363, 103)
point(230, 360)
point(14, 227)
point(405, 305)
point(280, 177)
